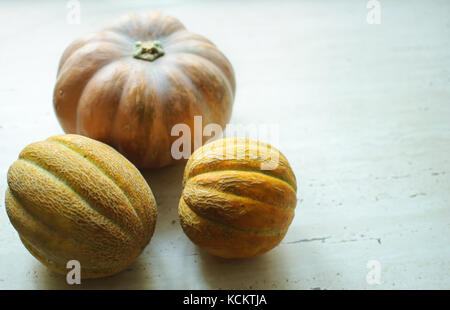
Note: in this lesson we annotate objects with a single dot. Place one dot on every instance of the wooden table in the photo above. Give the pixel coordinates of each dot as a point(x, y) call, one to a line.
point(363, 113)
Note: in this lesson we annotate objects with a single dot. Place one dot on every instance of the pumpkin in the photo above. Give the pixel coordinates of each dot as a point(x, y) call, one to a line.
point(238, 199)
point(73, 198)
point(130, 83)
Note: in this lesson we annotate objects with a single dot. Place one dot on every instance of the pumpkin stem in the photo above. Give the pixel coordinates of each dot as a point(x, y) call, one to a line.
point(148, 50)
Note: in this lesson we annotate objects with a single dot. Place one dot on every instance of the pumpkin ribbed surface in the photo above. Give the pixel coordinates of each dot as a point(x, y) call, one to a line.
point(74, 198)
point(229, 205)
point(130, 83)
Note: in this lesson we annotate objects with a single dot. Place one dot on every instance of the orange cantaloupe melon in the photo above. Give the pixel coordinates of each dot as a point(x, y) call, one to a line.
point(73, 198)
point(238, 199)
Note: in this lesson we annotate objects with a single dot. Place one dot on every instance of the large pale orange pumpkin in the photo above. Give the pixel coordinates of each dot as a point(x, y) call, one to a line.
point(130, 83)
point(74, 198)
point(232, 205)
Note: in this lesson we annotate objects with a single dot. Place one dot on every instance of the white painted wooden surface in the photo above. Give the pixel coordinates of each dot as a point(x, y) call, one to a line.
point(364, 118)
